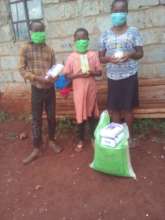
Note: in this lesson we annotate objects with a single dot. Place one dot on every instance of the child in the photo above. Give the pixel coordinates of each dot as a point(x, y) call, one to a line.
point(36, 58)
point(84, 85)
point(121, 47)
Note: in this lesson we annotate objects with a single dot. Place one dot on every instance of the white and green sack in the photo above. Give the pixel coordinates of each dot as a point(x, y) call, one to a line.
point(114, 160)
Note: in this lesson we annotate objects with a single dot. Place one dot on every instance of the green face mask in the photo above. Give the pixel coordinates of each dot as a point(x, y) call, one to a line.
point(38, 37)
point(82, 46)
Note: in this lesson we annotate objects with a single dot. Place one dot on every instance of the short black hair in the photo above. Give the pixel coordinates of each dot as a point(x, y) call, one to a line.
point(38, 22)
point(81, 30)
point(124, 1)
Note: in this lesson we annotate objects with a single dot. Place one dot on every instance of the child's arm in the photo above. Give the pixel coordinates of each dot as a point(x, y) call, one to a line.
point(95, 73)
point(68, 69)
point(97, 66)
point(42, 79)
point(22, 65)
point(78, 75)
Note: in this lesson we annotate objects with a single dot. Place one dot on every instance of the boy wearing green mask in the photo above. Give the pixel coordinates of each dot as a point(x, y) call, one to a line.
point(82, 66)
point(120, 48)
point(36, 58)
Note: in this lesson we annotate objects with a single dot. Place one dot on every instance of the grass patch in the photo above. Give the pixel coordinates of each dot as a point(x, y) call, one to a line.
point(65, 124)
point(4, 116)
point(12, 135)
point(144, 126)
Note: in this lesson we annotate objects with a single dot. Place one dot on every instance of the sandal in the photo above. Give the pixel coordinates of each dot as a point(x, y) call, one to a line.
point(79, 147)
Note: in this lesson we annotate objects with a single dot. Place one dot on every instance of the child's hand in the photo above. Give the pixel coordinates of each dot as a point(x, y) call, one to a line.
point(91, 73)
point(29, 76)
point(94, 73)
point(44, 80)
point(50, 79)
point(85, 75)
point(114, 60)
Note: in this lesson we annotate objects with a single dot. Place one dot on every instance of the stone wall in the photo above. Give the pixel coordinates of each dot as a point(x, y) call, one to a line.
point(63, 17)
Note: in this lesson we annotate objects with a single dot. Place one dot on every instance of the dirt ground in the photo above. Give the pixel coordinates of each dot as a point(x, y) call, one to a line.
point(63, 187)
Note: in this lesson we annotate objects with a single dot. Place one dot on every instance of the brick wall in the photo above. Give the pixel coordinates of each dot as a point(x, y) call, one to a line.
point(62, 18)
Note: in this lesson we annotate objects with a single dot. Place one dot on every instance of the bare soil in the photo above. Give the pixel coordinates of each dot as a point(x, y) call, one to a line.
point(63, 187)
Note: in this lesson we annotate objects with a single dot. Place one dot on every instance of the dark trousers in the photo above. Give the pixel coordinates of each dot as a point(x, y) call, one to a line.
point(42, 99)
point(81, 128)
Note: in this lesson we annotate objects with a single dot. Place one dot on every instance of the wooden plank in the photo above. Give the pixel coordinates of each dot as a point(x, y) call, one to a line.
point(151, 95)
point(152, 105)
point(149, 111)
point(158, 115)
point(151, 81)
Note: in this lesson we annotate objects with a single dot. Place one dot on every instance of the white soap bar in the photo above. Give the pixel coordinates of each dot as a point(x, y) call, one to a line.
point(112, 130)
point(55, 70)
point(84, 63)
point(112, 142)
point(119, 54)
point(108, 142)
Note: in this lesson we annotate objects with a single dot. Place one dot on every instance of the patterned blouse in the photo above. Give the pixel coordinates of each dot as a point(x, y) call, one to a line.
point(125, 42)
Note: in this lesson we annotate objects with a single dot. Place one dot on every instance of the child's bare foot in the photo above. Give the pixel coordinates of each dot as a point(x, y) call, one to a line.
point(79, 147)
point(34, 154)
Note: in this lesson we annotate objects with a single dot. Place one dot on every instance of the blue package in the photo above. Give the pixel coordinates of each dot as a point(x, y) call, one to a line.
point(62, 82)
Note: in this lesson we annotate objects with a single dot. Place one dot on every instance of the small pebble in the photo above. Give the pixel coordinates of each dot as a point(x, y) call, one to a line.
point(85, 205)
point(121, 201)
point(9, 180)
point(162, 157)
point(23, 136)
point(100, 213)
point(38, 187)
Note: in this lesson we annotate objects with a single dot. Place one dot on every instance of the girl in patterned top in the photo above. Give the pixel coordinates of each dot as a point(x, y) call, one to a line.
point(120, 48)
point(82, 66)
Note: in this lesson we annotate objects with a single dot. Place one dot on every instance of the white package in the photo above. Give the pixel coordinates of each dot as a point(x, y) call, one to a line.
point(112, 130)
point(55, 70)
point(119, 54)
point(84, 63)
point(112, 142)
